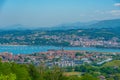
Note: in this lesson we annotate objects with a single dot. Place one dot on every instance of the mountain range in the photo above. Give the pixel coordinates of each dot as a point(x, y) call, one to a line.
point(77, 25)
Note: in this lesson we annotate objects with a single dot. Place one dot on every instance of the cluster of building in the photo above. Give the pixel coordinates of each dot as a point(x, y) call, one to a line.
point(40, 38)
point(60, 58)
point(75, 40)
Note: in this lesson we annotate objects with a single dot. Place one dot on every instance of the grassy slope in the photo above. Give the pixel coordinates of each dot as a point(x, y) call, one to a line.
point(112, 63)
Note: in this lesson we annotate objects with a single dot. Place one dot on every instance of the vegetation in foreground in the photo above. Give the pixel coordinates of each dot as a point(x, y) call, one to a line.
point(13, 71)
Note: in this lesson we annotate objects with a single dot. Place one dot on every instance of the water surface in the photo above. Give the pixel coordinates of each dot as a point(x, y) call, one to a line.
point(33, 49)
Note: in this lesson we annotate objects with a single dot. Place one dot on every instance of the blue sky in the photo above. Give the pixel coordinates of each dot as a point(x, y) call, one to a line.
point(44, 13)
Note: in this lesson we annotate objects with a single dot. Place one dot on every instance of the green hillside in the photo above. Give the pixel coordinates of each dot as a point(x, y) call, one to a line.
point(112, 63)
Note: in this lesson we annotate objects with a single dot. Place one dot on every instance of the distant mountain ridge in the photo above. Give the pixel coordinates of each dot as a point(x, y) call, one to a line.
point(77, 25)
point(95, 24)
point(106, 24)
point(14, 27)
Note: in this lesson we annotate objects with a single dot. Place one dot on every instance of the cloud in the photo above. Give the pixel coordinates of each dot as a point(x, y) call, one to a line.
point(115, 12)
point(111, 12)
point(117, 4)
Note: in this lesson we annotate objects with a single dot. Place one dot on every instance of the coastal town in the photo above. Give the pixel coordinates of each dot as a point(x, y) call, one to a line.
point(72, 38)
point(61, 58)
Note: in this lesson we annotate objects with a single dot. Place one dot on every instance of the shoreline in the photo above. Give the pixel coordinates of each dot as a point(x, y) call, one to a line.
point(68, 46)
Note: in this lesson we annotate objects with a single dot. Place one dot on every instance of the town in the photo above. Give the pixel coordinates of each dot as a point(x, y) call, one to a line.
point(81, 37)
point(61, 58)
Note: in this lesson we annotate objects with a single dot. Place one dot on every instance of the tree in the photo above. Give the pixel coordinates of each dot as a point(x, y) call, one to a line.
point(79, 54)
point(0, 59)
point(8, 77)
point(117, 77)
point(5, 68)
point(55, 74)
point(33, 73)
point(20, 71)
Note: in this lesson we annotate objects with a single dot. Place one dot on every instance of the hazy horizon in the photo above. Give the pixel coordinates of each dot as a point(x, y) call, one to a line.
point(45, 13)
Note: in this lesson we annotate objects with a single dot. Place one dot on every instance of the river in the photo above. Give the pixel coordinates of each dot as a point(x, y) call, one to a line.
point(23, 49)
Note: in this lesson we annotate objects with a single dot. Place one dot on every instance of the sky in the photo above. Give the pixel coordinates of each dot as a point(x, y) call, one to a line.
point(46, 13)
